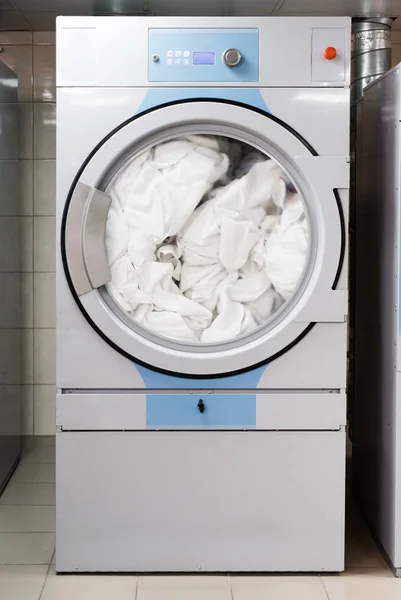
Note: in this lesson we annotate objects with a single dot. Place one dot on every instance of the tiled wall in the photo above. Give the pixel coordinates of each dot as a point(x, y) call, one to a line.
point(32, 57)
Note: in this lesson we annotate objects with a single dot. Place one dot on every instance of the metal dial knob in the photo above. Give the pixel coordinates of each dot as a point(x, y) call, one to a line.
point(231, 57)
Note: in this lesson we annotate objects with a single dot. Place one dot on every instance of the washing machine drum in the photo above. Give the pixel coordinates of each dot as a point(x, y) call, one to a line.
point(191, 251)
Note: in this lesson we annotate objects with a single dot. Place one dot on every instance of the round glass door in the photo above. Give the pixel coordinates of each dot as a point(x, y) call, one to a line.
point(206, 239)
point(201, 238)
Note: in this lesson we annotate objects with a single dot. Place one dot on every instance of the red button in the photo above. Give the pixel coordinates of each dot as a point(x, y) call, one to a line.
point(330, 53)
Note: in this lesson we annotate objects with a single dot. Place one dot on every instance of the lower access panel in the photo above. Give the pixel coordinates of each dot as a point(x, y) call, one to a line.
point(200, 501)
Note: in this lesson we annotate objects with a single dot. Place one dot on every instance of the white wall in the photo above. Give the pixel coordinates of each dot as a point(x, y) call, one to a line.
point(32, 57)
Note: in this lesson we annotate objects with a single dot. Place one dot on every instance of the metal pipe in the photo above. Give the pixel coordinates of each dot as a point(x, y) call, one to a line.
point(370, 52)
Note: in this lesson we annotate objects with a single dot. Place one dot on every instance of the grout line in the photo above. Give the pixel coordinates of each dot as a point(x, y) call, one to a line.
point(136, 587)
point(324, 588)
point(29, 533)
point(230, 586)
point(47, 574)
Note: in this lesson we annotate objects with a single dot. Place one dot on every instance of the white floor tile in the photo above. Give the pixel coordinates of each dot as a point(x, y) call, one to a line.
point(26, 548)
point(23, 582)
point(41, 454)
point(89, 587)
point(277, 588)
point(35, 473)
point(183, 587)
point(363, 584)
point(41, 519)
point(35, 494)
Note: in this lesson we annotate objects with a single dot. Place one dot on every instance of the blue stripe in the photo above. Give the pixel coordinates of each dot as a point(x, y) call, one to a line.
point(181, 410)
point(154, 379)
point(157, 96)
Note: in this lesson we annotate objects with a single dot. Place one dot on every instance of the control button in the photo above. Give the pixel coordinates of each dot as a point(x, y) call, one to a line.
point(178, 53)
point(185, 61)
point(178, 61)
point(169, 61)
point(232, 57)
point(187, 53)
point(170, 53)
point(330, 53)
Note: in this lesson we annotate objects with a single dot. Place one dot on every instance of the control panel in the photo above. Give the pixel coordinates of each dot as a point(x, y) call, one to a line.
point(181, 55)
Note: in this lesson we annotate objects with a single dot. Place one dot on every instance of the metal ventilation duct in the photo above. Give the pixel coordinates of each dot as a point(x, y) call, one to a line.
point(370, 52)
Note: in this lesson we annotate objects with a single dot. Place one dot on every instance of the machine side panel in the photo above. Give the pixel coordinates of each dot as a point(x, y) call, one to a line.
point(376, 310)
point(200, 501)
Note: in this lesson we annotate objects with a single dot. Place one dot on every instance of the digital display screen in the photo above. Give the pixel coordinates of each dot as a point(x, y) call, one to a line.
point(203, 58)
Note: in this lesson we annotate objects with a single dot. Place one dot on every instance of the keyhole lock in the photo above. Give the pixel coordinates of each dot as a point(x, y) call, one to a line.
point(201, 406)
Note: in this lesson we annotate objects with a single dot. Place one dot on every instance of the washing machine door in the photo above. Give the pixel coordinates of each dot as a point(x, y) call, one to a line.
point(190, 343)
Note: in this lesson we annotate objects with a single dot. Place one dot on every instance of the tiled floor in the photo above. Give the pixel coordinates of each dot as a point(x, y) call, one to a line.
point(27, 525)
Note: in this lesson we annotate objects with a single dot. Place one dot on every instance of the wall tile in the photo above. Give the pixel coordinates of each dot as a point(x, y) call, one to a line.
point(26, 244)
point(10, 146)
point(44, 73)
point(9, 307)
point(9, 234)
point(10, 340)
point(44, 130)
point(10, 175)
point(44, 187)
point(44, 368)
point(26, 131)
point(26, 300)
point(15, 37)
point(44, 404)
point(26, 548)
point(44, 244)
point(26, 187)
point(44, 37)
point(44, 300)
point(19, 59)
point(41, 20)
point(27, 409)
point(27, 356)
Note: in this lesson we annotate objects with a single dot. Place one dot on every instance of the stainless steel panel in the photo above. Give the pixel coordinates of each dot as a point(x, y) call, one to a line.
point(93, 238)
point(85, 238)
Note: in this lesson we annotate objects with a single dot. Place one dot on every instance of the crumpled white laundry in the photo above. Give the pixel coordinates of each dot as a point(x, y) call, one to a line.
point(155, 193)
point(203, 246)
point(287, 246)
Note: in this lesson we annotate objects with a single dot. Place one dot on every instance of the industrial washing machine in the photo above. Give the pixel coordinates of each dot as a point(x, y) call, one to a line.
point(202, 208)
